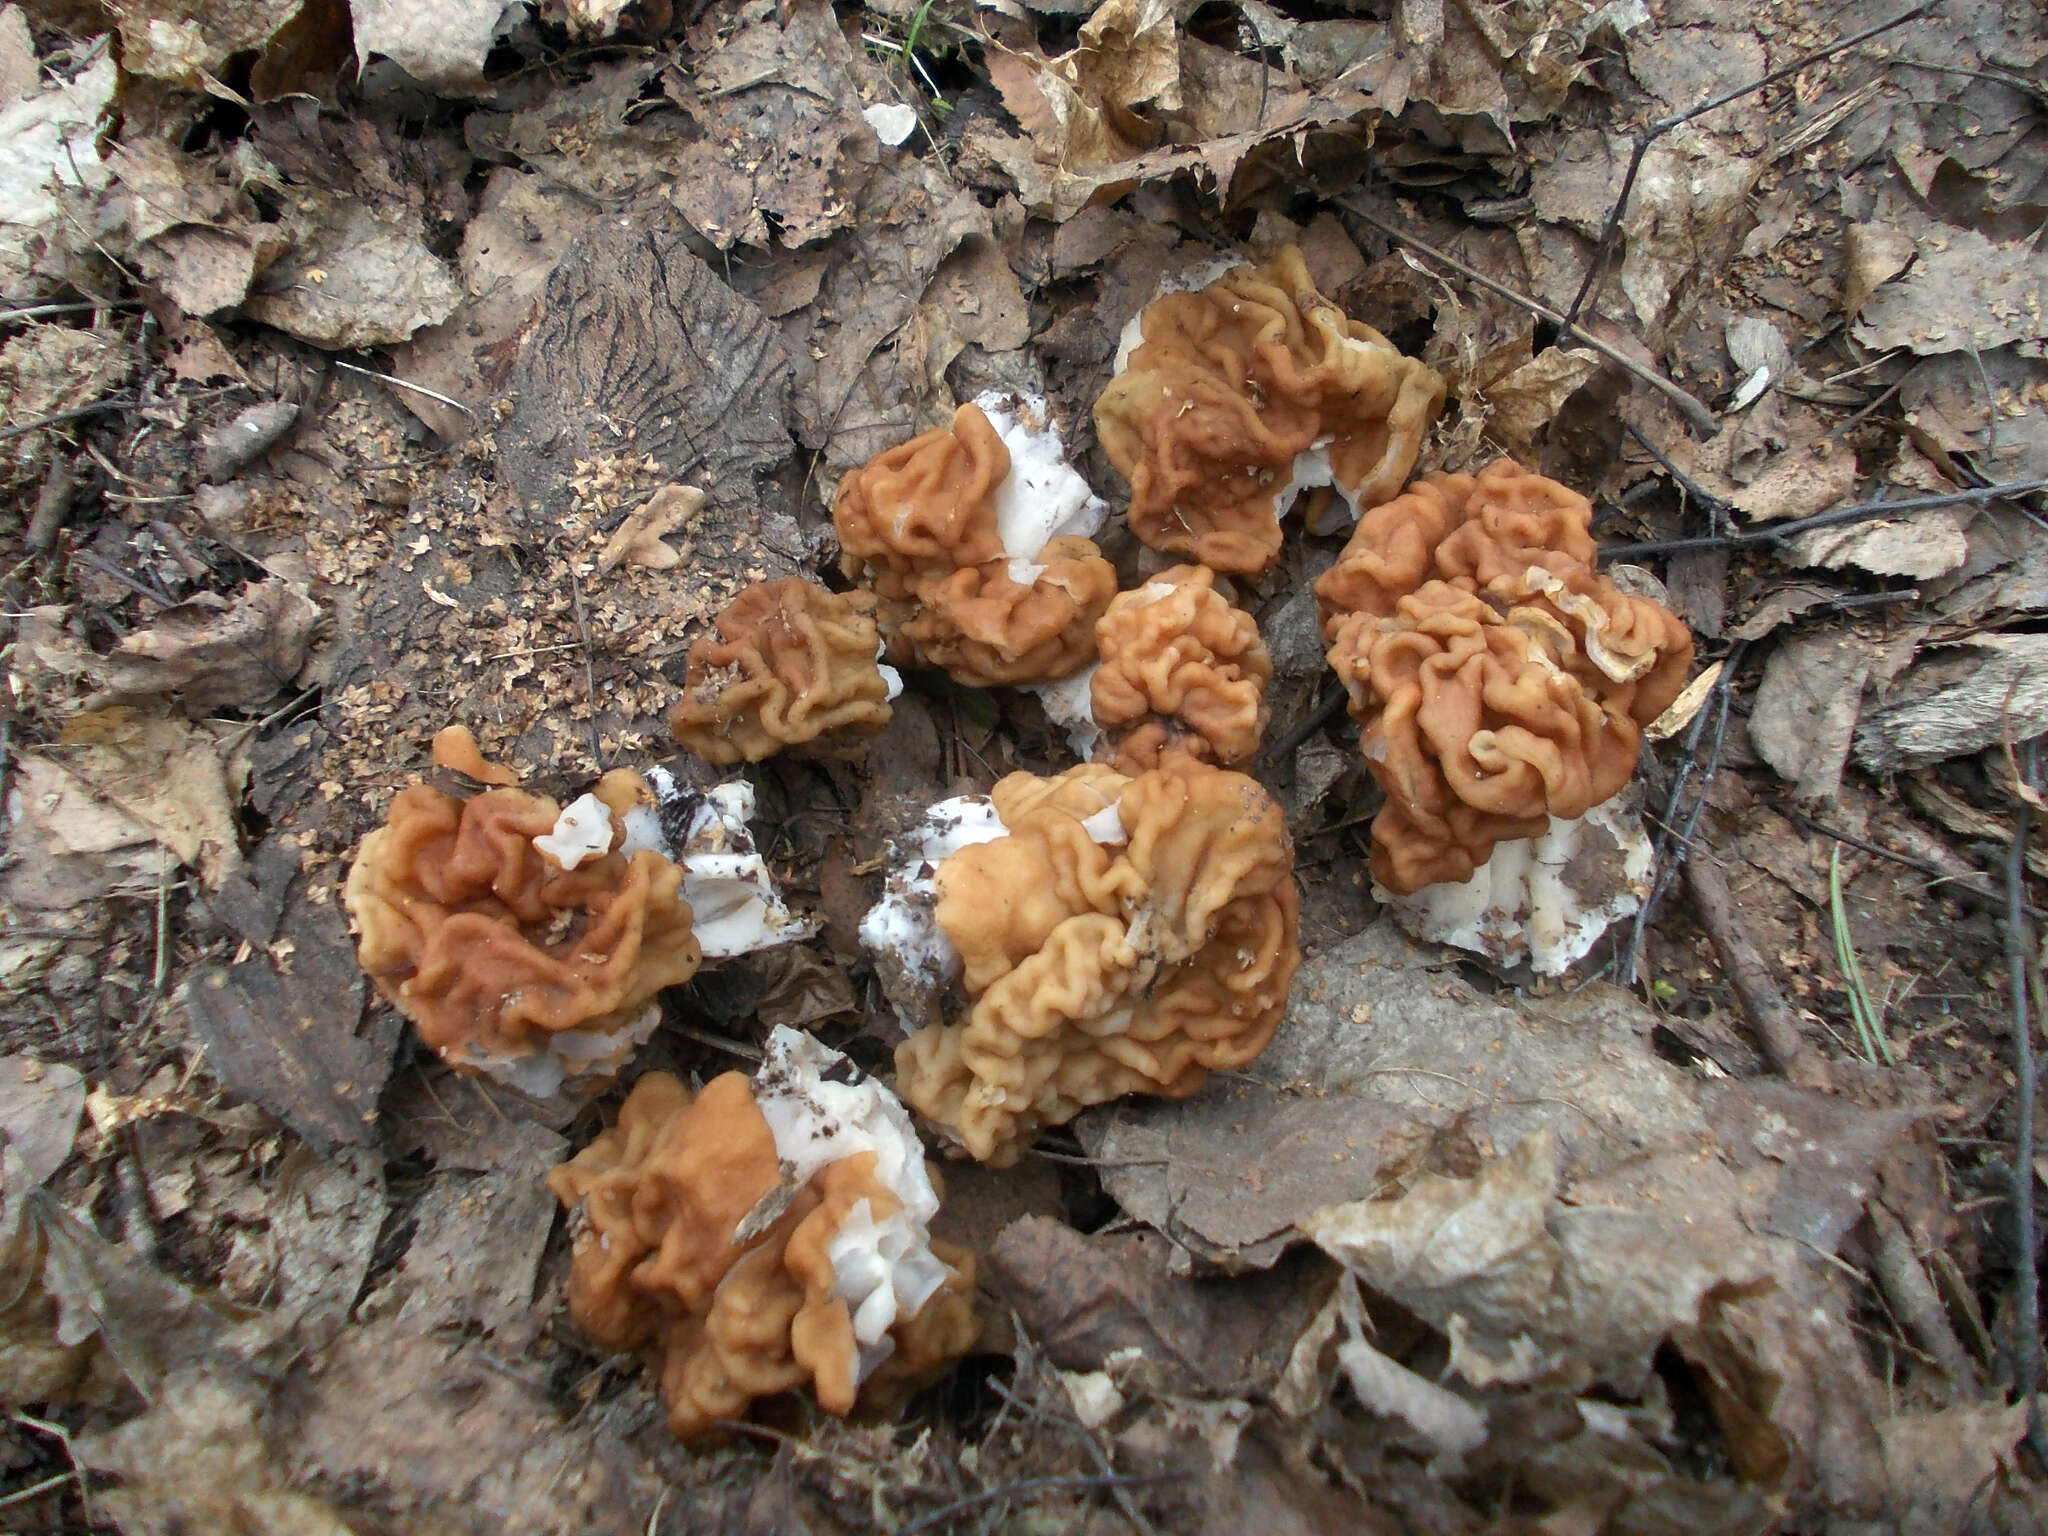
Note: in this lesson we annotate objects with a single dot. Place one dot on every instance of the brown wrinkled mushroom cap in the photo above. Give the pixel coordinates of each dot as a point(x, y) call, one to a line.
point(1234, 381)
point(658, 1267)
point(1096, 970)
point(923, 508)
point(488, 945)
point(791, 666)
point(1500, 680)
point(918, 522)
point(989, 629)
point(1183, 671)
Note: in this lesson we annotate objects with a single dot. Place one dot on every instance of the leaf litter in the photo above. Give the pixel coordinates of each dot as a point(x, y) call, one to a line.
point(373, 370)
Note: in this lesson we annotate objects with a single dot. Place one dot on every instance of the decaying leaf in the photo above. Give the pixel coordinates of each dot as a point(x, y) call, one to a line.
point(1806, 708)
point(1963, 292)
point(1092, 1300)
point(784, 144)
point(352, 280)
point(215, 654)
point(121, 780)
point(1921, 546)
point(325, 1216)
point(47, 145)
point(189, 40)
point(442, 45)
point(1875, 254)
point(1958, 700)
point(40, 1103)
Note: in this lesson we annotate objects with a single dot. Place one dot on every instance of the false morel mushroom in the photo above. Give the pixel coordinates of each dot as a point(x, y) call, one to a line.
point(974, 540)
point(790, 667)
point(1104, 934)
point(1231, 399)
point(761, 1236)
point(1501, 682)
point(523, 939)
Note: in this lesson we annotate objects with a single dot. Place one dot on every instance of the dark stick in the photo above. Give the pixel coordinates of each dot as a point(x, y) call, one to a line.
point(1776, 1025)
point(1717, 509)
point(1596, 269)
point(1326, 709)
point(2027, 1282)
point(1694, 412)
point(1674, 844)
point(1778, 533)
point(53, 505)
point(57, 418)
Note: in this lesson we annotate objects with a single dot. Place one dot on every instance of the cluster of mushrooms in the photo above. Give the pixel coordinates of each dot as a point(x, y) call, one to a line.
point(1128, 926)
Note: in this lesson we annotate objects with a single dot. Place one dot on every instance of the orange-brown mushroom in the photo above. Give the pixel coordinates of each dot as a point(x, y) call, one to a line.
point(1241, 393)
point(1123, 935)
point(978, 554)
point(762, 1236)
point(792, 666)
point(511, 932)
point(1182, 671)
point(1499, 679)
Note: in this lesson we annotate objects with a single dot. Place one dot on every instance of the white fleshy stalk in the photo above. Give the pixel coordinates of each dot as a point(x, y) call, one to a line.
point(1540, 899)
point(734, 906)
point(884, 1270)
point(914, 960)
point(1043, 497)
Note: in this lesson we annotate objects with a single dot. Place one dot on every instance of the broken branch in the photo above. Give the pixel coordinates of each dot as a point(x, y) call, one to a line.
point(1688, 407)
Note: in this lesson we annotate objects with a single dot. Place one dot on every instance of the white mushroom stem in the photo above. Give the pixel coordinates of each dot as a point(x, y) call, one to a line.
point(1043, 497)
point(914, 960)
point(734, 906)
point(884, 1270)
point(1540, 899)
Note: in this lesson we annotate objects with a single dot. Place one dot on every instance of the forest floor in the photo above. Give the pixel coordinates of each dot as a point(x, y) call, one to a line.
point(335, 340)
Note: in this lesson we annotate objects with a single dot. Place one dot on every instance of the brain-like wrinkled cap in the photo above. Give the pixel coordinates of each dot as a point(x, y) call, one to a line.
point(714, 1249)
point(1125, 935)
point(1500, 680)
point(1183, 671)
point(1244, 391)
point(790, 666)
point(505, 960)
point(920, 524)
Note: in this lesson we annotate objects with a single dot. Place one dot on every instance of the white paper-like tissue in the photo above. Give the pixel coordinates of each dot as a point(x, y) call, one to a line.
point(1070, 705)
point(734, 906)
point(1540, 899)
point(582, 831)
point(569, 1056)
point(884, 1270)
point(1043, 497)
point(914, 960)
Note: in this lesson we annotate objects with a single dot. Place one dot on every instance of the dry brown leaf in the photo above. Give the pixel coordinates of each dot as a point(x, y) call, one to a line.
point(1806, 708)
point(1958, 700)
point(638, 540)
point(443, 46)
point(353, 280)
point(185, 41)
point(1963, 292)
point(215, 654)
point(1922, 546)
point(1872, 255)
point(48, 144)
point(1798, 483)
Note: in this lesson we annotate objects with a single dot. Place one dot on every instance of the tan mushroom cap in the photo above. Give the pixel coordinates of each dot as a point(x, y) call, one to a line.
point(1183, 671)
point(918, 523)
point(1498, 678)
point(791, 666)
point(490, 947)
point(660, 1266)
point(1229, 385)
point(1098, 968)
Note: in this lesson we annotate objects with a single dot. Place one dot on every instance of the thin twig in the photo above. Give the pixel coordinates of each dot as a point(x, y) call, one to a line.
point(58, 418)
point(1326, 709)
point(1674, 842)
point(397, 383)
point(2027, 1281)
point(1596, 269)
point(1771, 1018)
point(1689, 407)
point(45, 311)
point(1778, 533)
point(1913, 1299)
point(1030, 1485)
point(1717, 509)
